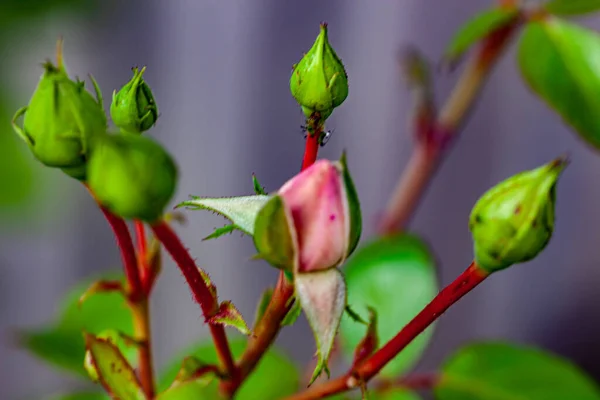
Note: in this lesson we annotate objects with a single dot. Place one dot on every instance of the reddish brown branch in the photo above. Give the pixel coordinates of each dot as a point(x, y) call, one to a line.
point(466, 282)
point(201, 292)
point(128, 255)
point(433, 136)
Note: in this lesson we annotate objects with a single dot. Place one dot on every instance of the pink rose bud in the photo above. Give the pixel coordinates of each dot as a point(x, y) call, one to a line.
point(314, 221)
point(309, 228)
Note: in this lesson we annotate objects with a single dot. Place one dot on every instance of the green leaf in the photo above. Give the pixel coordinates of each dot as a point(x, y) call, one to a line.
point(559, 61)
point(498, 371)
point(274, 378)
point(265, 299)
point(61, 343)
point(292, 315)
point(572, 7)
point(221, 231)
point(242, 211)
point(476, 29)
point(258, 189)
point(396, 276)
point(230, 316)
point(395, 394)
point(275, 236)
point(115, 373)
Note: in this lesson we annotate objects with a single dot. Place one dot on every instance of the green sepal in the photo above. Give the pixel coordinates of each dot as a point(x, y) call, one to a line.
point(292, 316)
point(353, 203)
point(241, 210)
point(133, 108)
point(275, 236)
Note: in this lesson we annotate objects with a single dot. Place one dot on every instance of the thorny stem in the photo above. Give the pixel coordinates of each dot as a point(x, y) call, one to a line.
point(141, 326)
point(361, 374)
point(136, 299)
point(128, 256)
point(202, 294)
point(268, 327)
point(434, 136)
point(142, 252)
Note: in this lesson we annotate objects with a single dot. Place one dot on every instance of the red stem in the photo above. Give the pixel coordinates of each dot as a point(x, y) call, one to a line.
point(128, 255)
point(311, 150)
point(466, 282)
point(142, 253)
point(201, 292)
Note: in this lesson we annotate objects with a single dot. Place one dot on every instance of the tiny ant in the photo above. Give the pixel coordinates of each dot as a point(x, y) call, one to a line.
point(324, 137)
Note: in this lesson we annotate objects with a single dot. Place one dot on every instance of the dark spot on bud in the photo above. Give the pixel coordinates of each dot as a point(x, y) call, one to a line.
point(332, 217)
point(534, 223)
point(478, 219)
point(495, 255)
point(518, 209)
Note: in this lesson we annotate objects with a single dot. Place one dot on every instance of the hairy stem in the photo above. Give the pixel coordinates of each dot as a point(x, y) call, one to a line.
point(361, 374)
point(201, 292)
point(281, 302)
point(433, 137)
point(128, 255)
point(141, 326)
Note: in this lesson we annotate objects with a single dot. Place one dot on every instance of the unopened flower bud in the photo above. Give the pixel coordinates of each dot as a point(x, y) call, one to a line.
point(513, 222)
point(309, 228)
point(316, 214)
point(132, 176)
point(61, 120)
point(133, 108)
point(319, 82)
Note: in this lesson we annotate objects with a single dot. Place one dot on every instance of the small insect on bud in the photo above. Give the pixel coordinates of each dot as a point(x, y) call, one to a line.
point(132, 176)
point(133, 108)
point(61, 120)
point(319, 82)
point(513, 222)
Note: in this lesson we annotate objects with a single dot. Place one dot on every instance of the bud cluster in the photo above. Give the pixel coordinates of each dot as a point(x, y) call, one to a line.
point(66, 128)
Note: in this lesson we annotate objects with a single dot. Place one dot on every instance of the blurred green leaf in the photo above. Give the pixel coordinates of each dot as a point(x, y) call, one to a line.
point(572, 7)
point(83, 396)
point(498, 371)
point(559, 61)
point(115, 373)
point(396, 276)
point(16, 166)
point(61, 344)
point(242, 211)
point(275, 376)
point(395, 394)
point(13, 11)
point(476, 29)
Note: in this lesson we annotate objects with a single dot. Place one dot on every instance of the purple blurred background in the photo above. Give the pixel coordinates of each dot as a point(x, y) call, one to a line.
point(220, 71)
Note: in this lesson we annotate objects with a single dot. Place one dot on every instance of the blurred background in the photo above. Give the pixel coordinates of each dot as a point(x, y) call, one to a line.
point(219, 71)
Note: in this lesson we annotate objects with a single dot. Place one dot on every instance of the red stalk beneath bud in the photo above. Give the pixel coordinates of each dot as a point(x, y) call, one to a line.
point(466, 282)
point(201, 293)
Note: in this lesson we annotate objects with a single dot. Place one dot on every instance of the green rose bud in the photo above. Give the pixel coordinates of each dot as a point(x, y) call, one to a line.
point(132, 176)
point(60, 120)
point(513, 222)
point(319, 82)
point(133, 108)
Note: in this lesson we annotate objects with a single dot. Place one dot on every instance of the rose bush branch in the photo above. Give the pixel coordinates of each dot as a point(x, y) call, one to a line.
point(434, 133)
point(511, 223)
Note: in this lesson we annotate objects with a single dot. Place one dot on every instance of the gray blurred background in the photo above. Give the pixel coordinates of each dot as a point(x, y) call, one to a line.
point(219, 70)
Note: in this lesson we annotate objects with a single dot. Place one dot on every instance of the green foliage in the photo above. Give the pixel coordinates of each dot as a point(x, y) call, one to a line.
point(498, 371)
point(61, 343)
point(82, 396)
point(241, 211)
point(274, 378)
point(228, 315)
point(396, 276)
point(558, 60)
point(572, 7)
point(476, 29)
point(113, 370)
